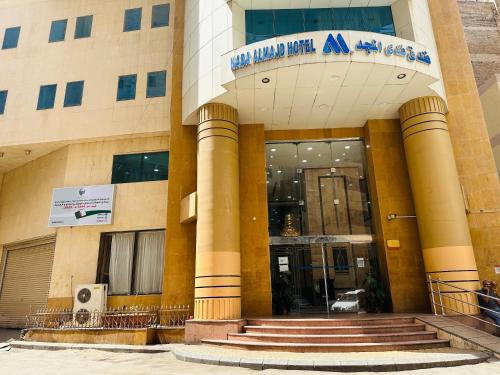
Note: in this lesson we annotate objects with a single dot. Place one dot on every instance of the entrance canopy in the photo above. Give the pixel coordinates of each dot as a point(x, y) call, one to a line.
point(327, 79)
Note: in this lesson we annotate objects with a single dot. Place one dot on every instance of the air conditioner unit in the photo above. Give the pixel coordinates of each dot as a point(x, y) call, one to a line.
point(90, 301)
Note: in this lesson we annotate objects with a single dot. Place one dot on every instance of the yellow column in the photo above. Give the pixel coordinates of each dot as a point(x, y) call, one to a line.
point(439, 205)
point(217, 283)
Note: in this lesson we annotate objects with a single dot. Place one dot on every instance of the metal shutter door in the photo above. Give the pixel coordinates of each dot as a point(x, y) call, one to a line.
point(26, 281)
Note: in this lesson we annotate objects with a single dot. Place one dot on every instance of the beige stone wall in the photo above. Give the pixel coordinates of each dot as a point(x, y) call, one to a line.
point(26, 195)
point(97, 60)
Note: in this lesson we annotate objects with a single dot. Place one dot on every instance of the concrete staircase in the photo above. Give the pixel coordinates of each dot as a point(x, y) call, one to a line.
point(332, 335)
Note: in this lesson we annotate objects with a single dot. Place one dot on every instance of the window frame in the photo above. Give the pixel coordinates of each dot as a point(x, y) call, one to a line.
point(130, 12)
point(149, 93)
point(6, 43)
point(67, 94)
point(3, 100)
point(101, 275)
point(79, 33)
point(142, 156)
point(162, 22)
point(42, 87)
point(53, 31)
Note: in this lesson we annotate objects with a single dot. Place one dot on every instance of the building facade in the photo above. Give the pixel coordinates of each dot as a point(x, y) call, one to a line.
point(262, 156)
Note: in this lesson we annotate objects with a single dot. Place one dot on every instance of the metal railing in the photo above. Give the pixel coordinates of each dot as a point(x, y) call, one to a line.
point(441, 296)
point(173, 316)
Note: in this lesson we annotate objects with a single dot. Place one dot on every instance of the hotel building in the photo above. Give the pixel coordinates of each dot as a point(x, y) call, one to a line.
point(241, 146)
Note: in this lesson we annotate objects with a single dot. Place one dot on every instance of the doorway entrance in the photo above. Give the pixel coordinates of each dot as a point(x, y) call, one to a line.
point(319, 223)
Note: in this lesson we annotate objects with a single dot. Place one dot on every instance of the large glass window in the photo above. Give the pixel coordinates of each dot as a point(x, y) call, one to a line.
point(160, 15)
point(126, 87)
point(74, 93)
point(131, 262)
point(132, 19)
point(265, 24)
point(151, 166)
point(57, 31)
point(320, 186)
point(11, 37)
point(3, 101)
point(83, 27)
point(46, 97)
point(156, 84)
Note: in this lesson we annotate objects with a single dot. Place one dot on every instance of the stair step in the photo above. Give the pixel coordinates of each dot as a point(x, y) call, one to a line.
point(322, 348)
point(331, 339)
point(330, 322)
point(304, 330)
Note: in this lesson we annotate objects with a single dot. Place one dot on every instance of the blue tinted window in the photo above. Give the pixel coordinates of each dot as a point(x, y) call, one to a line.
point(266, 24)
point(3, 100)
point(126, 87)
point(46, 97)
point(83, 27)
point(132, 19)
point(160, 15)
point(74, 93)
point(11, 37)
point(259, 25)
point(58, 31)
point(156, 84)
point(151, 166)
point(318, 19)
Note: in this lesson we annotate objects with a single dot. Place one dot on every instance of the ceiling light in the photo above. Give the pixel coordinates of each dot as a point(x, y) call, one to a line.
point(337, 160)
point(272, 156)
point(273, 150)
point(280, 171)
point(270, 165)
point(309, 149)
point(145, 157)
point(347, 147)
point(304, 161)
point(344, 154)
point(289, 197)
point(295, 182)
point(319, 155)
point(156, 170)
point(266, 80)
point(401, 76)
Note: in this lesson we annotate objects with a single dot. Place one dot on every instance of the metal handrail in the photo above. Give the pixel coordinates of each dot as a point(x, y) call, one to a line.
point(443, 307)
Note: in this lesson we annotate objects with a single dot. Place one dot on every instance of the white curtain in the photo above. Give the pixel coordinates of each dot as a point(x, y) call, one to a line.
point(120, 263)
point(149, 262)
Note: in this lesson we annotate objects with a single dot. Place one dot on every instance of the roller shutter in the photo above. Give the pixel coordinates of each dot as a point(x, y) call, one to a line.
point(25, 282)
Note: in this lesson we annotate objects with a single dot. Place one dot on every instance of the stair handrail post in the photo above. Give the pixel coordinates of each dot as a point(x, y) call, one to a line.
point(324, 277)
point(443, 312)
point(433, 301)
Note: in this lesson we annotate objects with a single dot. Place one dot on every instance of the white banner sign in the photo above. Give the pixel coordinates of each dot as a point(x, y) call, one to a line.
point(83, 205)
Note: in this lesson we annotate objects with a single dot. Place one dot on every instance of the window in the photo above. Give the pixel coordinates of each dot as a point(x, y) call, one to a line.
point(11, 37)
point(156, 84)
point(83, 27)
point(152, 166)
point(46, 97)
point(132, 19)
point(58, 31)
point(160, 15)
point(131, 262)
point(266, 24)
point(126, 87)
point(3, 100)
point(74, 92)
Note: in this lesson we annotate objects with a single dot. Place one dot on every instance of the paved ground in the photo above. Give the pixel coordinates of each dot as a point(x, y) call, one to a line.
point(84, 362)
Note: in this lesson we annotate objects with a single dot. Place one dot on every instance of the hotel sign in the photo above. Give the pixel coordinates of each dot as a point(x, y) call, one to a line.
point(84, 205)
point(333, 45)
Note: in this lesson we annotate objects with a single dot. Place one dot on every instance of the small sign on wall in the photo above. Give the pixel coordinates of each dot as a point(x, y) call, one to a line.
point(284, 268)
point(497, 269)
point(360, 262)
point(282, 260)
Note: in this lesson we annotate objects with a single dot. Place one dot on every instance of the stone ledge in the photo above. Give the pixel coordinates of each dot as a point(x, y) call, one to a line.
point(389, 364)
point(104, 347)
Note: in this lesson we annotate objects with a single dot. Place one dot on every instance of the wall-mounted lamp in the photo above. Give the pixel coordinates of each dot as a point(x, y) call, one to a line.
point(27, 152)
point(392, 217)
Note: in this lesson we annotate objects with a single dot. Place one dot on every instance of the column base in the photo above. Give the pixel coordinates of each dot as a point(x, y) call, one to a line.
point(197, 330)
point(217, 308)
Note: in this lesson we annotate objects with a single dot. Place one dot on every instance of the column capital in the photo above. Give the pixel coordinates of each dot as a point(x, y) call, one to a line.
point(422, 105)
point(218, 111)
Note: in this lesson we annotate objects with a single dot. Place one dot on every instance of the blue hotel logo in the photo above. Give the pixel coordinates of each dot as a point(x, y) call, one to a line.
point(333, 45)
